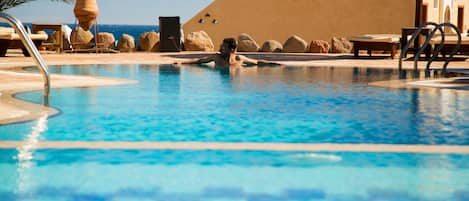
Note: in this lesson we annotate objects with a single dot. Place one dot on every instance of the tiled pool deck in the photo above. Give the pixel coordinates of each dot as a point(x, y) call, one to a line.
point(14, 80)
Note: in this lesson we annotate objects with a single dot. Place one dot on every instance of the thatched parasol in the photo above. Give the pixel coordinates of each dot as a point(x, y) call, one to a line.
point(86, 11)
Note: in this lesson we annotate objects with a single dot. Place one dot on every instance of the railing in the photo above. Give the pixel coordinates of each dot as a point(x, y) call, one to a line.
point(29, 45)
point(436, 51)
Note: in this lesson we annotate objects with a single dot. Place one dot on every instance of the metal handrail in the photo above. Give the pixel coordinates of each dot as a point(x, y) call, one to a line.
point(29, 45)
point(455, 50)
point(414, 36)
point(438, 27)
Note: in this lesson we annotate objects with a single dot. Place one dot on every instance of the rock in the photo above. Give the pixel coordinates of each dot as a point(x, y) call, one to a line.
point(126, 43)
point(271, 46)
point(295, 44)
point(247, 44)
point(198, 41)
point(156, 47)
point(341, 45)
point(106, 40)
point(319, 46)
point(147, 40)
point(81, 39)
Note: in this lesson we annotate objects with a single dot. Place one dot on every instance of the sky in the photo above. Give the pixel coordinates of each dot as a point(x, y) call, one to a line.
point(135, 12)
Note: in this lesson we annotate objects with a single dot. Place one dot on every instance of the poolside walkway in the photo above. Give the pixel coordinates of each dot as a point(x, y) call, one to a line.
point(12, 82)
point(293, 59)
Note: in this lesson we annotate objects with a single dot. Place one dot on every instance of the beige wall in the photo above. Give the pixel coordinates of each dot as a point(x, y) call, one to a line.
point(310, 19)
point(436, 12)
point(465, 4)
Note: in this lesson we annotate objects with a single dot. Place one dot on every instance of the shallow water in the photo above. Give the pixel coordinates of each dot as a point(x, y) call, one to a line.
point(219, 175)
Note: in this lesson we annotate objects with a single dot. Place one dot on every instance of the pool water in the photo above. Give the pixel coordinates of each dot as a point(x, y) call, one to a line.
point(130, 175)
point(290, 104)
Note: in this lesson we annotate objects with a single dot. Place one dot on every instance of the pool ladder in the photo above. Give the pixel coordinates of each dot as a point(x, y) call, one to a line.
point(31, 48)
point(436, 51)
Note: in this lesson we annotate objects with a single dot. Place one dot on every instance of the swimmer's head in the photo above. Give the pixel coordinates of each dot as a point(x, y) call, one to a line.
point(228, 46)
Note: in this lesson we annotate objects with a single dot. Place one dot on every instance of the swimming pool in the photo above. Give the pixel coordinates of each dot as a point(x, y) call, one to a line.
point(289, 105)
point(292, 104)
point(218, 175)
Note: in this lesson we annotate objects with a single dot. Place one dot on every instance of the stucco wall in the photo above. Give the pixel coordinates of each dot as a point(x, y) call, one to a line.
point(465, 4)
point(436, 12)
point(310, 19)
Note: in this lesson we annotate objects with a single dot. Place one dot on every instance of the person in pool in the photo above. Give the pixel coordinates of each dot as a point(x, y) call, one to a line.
point(227, 57)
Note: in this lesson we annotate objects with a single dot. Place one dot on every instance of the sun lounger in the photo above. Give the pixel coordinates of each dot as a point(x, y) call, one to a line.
point(375, 42)
point(11, 40)
point(450, 44)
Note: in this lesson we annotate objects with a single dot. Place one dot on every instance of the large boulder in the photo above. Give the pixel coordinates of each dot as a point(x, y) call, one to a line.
point(106, 40)
point(81, 39)
point(126, 43)
point(295, 44)
point(341, 45)
point(247, 44)
point(319, 46)
point(198, 41)
point(156, 47)
point(148, 40)
point(271, 46)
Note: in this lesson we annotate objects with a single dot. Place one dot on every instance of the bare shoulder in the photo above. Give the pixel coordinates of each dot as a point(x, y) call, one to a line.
point(241, 57)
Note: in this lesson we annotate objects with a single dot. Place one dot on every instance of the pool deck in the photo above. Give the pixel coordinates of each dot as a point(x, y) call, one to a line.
point(14, 80)
point(291, 59)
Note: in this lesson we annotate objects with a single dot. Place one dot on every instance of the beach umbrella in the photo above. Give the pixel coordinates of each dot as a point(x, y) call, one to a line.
point(86, 12)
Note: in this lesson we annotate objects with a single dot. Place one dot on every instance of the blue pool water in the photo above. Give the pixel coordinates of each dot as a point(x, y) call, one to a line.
point(291, 104)
point(103, 175)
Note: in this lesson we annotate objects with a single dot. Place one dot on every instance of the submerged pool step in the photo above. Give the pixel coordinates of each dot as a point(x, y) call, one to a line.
point(383, 148)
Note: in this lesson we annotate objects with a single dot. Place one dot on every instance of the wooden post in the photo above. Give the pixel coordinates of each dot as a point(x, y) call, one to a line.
point(418, 6)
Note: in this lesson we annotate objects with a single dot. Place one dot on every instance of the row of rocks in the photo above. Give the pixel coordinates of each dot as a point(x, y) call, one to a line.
point(294, 44)
point(201, 41)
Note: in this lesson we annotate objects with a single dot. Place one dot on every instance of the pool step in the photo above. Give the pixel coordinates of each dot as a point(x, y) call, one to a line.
point(380, 148)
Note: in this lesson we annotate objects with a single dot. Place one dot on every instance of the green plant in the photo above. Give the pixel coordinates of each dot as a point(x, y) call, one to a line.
point(7, 4)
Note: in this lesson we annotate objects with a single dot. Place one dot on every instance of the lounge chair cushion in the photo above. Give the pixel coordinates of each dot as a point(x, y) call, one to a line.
point(6, 30)
point(387, 38)
point(7, 33)
point(451, 40)
point(15, 36)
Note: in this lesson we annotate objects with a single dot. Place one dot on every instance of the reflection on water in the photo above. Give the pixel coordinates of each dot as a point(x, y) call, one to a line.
point(25, 155)
point(25, 151)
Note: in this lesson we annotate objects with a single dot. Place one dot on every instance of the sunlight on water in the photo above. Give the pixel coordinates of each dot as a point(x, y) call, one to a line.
point(25, 152)
point(327, 157)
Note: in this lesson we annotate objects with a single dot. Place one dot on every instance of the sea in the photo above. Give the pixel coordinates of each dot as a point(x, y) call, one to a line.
point(117, 30)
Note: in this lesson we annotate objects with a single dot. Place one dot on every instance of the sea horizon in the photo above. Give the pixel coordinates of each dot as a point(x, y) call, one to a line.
point(116, 29)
